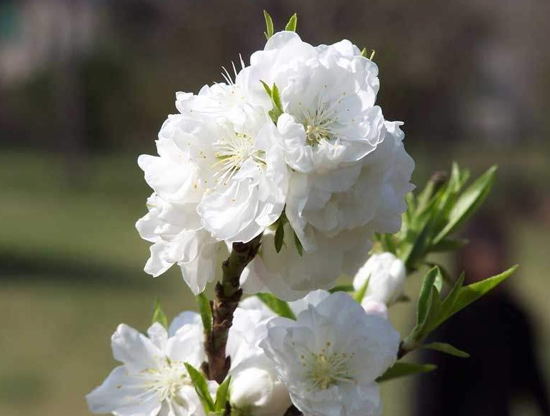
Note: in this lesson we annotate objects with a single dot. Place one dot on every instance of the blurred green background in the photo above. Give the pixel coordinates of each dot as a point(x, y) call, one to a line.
point(85, 86)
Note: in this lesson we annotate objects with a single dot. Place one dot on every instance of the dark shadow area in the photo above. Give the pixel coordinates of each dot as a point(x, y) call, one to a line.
point(499, 334)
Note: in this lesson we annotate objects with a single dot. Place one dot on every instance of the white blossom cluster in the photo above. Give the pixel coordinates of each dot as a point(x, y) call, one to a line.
point(326, 362)
point(231, 165)
point(293, 144)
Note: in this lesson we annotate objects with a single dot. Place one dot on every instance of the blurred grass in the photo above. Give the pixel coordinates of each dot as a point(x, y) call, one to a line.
point(72, 270)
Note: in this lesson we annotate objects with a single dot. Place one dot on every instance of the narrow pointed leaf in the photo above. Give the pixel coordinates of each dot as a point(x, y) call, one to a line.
point(277, 305)
point(433, 315)
point(292, 23)
point(402, 369)
point(201, 387)
point(222, 395)
point(159, 315)
point(449, 302)
point(275, 95)
point(425, 295)
point(268, 25)
point(447, 349)
point(206, 312)
point(266, 88)
point(471, 293)
point(468, 203)
point(443, 277)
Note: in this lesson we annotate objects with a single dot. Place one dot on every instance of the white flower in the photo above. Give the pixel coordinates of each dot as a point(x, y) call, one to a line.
point(386, 275)
point(214, 181)
point(255, 387)
point(179, 238)
point(290, 276)
point(331, 133)
point(233, 172)
point(152, 380)
point(330, 357)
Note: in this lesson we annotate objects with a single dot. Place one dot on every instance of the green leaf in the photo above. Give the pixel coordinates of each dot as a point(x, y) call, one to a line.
point(222, 395)
point(298, 244)
point(471, 293)
point(449, 302)
point(402, 369)
point(268, 25)
point(277, 109)
point(277, 305)
point(468, 203)
point(201, 387)
point(433, 314)
point(429, 305)
point(206, 312)
point(279, 236)
point(424, 299)
point(446, 348)
point(364, 53)
point(266, 88)
point(342, 288)
point(276, 97)
point(159, 315)
point(360, 294)
point(443, 277)
point(292, 23)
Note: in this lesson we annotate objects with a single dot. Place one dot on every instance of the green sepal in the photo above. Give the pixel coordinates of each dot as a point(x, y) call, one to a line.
point(205, 311)
point(402, 369)
point(277, 305)
point(292, 23)
point(268, 25)
point(159, 315)
point(360, 294)
point(446, 348)
point(222, 395)
point(201, 387)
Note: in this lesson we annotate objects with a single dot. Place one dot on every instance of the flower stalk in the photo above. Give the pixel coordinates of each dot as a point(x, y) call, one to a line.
point(228, 293)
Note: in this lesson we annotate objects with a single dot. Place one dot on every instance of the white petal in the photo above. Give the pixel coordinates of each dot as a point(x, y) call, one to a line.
point(123, 394)
point(133, 349)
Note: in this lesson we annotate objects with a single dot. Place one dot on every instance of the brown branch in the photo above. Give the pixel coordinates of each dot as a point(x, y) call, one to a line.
point(228, 295)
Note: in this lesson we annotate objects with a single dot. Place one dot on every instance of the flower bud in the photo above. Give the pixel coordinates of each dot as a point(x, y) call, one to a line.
point(256, 390)
point(386, 274)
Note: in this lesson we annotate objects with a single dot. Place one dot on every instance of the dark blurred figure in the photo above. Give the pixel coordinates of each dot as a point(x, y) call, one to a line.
point(495, 331)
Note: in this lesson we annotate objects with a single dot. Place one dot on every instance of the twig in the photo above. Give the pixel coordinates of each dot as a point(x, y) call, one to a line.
point(226, 300)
